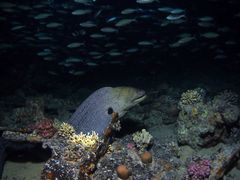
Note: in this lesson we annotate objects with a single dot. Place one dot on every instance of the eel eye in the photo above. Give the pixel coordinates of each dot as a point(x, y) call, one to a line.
point(110, 110)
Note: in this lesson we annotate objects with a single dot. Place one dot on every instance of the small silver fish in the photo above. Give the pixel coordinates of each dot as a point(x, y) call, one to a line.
point(174, 17)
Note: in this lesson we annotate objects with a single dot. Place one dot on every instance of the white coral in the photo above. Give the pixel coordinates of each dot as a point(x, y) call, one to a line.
point(142, 139)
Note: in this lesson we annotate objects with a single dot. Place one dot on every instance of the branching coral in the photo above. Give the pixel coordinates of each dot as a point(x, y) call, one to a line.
point(142, 139)
point(66, 130)
point(191, 97)
point(89, 141)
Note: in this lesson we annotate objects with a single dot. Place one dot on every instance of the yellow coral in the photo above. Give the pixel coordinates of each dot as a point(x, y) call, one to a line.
point(88, 141)
point(66, 130)
point(194, 112)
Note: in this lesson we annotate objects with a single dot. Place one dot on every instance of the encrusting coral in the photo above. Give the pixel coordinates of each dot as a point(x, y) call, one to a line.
point(199, 169)
point(224, 99)
point(44, 128)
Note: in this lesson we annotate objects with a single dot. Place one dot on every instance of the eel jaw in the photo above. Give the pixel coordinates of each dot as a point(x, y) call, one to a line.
point(139, 99)
point(134, 102)
point(141, 96)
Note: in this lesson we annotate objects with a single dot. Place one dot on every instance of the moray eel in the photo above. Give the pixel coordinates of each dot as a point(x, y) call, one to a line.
point(94, 113)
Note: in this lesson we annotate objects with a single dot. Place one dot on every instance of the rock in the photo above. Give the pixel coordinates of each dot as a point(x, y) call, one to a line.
point(231, 114)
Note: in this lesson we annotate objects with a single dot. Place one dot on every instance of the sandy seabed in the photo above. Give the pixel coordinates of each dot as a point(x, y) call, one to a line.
point(22, 170)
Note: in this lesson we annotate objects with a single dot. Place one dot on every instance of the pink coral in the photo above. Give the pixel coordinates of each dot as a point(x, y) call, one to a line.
point(199, 169)
point(130, 146)
point(44, 128)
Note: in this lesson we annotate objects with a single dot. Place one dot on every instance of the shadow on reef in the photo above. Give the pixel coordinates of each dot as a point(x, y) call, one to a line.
point(128, 126)
point(24, 152)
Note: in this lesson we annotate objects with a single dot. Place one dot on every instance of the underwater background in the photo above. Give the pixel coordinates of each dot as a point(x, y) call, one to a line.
point(183, 54)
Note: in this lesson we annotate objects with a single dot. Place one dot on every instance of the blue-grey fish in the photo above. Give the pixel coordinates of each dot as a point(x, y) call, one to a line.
point(85, 2)
point(177, 11)
point(43, 16)
point(129, 11)
point(210, 35)
point(206, 18)
point(80, 12)
point(174, 17)
point(75, 45)
point(124, 22)
point(17, 28)
point(109, 30)
point(97, 36)
point(93, 114)
point(53, 25)
point(165, 9)
point(88, 24)
point(111, 19)
point(145, 1)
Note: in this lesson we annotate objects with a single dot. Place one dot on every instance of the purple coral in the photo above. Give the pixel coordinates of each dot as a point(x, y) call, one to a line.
point(199, 169)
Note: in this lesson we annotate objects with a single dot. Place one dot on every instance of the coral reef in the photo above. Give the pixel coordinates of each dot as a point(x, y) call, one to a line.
point(58, 169)
point(78, 154)
point(80, 159)
point(73, 161)
point(204, 122)
point(200, 121)
point(125, 154)
point(33, 111)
